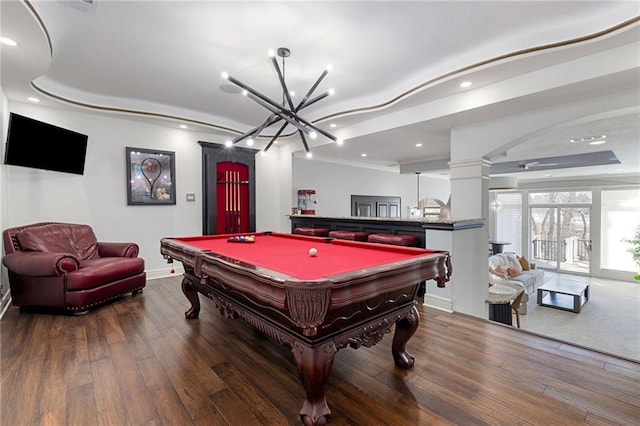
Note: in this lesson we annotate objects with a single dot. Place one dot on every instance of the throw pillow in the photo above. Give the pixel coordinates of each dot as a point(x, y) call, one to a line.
point(497, 272)
point(512, 272)
point(524, 263)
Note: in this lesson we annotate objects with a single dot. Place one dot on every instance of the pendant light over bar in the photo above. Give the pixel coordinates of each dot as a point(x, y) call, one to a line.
point(286, 110)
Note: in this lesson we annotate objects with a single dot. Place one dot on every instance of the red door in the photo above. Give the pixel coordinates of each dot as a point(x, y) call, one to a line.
point(232, 184)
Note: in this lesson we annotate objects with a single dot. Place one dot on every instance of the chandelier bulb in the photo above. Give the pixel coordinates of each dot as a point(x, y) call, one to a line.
point(225, 75)
point(339, 141)
point(329, 67)
point(313, 135)
point(245, 93)
point(228, 144)
point(249, 142)
point(309, 155)
point(331, 92)
point(271, 53)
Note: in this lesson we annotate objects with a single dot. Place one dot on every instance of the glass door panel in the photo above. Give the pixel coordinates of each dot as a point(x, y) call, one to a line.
point(544, 236)
point(575, 239)
point(561, 239)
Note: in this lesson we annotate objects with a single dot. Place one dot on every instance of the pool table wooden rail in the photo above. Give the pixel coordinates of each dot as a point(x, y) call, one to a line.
point(330, 303)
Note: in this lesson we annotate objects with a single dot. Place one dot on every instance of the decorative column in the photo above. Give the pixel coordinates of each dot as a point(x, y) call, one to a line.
point(470, 199)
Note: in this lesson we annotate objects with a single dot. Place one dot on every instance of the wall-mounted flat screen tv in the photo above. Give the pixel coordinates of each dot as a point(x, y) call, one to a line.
point(39, 145)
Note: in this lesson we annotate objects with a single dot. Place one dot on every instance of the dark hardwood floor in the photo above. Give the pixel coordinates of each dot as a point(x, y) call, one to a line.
point(137, 361)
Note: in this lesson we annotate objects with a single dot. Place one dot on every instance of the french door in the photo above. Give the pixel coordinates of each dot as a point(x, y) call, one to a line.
point(561, 238)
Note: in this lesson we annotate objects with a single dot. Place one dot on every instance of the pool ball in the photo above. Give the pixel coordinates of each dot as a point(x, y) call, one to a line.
point(313, 252)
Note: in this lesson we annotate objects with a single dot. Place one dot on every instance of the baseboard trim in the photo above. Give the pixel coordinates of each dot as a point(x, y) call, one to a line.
point(5, 303)
point(164, 273)
point(437, 302)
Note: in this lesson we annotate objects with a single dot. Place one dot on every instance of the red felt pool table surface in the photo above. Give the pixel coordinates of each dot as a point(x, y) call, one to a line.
point(289, 254)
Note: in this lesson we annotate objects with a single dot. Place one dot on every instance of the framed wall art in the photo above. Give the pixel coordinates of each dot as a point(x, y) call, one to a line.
point(150, 177)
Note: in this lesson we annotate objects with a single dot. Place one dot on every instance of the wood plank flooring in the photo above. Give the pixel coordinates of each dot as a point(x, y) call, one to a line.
point(137, 361)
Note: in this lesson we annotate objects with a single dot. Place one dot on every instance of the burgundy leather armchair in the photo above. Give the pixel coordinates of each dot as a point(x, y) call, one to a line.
point(63, 266)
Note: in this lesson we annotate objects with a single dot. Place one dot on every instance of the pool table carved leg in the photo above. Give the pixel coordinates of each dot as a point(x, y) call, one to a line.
point(314, 365)
point(192, 295)
point(405, 328)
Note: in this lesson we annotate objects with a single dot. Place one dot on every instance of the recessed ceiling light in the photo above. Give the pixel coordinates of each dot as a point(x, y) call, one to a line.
point(183, 126)
point(589, 139)
point(32, 99)
point(465, 84)
point(230, 88)
point(8, 41)
point(228, 144)
point(363, 155)
point(333, 125)
point(597, 142)
point(249, 142)
point(418, 145)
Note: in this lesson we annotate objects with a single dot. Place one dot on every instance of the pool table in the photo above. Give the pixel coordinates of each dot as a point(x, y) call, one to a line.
point(349, 294)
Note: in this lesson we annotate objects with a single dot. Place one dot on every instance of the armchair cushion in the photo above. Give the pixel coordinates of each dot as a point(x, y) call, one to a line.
point(98, 272)
point(77, 240)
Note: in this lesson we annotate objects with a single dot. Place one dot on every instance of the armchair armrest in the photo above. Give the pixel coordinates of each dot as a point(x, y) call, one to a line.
point(117, 249)
point(40, 264)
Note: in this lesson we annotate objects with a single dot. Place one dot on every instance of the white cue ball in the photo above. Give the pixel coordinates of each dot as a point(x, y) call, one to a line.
point(313, 252)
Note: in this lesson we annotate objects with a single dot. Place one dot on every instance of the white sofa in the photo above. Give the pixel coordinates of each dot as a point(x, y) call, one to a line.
point(506, 269)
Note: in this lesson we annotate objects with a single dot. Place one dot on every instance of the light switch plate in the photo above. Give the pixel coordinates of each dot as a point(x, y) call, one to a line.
point(191, 198)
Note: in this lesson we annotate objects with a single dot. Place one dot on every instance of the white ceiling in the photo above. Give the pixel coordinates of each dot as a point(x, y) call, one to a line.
point(396, 72)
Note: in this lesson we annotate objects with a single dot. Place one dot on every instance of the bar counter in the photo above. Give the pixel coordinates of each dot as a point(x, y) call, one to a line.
point(378, 225)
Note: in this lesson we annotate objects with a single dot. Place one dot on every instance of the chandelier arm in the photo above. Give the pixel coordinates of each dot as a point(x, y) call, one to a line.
point(304, 141)
point(308, 124)
point(288, 116)
point(275, 137)
point(280, 110)
point(285, 90)
point(313, 88)
point(302, 105)
point(265, 100)
point(272, 119)
point(257, 130)
point(294, 119)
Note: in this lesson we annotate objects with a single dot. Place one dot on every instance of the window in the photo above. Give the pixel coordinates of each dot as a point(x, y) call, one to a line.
point(620, 217)
point(567, 197)
point(508, 209)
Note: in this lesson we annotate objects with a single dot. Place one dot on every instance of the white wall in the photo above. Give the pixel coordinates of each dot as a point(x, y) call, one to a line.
point(273, 190)
point(335, 183)
point(4, 280)
point(98, 197)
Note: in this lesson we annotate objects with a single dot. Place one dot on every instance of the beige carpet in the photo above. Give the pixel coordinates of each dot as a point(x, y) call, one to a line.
point(608, 322)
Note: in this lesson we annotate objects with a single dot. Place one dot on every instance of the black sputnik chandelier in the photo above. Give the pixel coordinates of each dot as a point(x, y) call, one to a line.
point(285, 111)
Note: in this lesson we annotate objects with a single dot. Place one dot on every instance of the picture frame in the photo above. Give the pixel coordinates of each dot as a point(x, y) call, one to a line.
point(150, 177)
